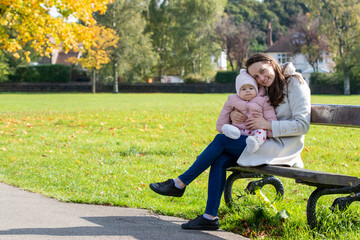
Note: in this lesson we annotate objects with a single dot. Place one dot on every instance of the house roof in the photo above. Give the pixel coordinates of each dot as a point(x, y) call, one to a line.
point(63, 57)
point(281, 45)
point(59, 58)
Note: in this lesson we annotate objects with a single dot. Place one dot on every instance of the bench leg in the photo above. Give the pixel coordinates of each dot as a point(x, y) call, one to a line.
point(341, 203)
point(254, 185)
point(311, 206)
point(230, 196)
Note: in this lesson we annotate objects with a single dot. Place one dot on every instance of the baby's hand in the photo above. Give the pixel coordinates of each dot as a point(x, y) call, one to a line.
point(237, 117)
point(258, 122)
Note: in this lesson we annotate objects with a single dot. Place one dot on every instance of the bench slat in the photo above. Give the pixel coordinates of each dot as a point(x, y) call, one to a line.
point(336, 115)
point(304, 175)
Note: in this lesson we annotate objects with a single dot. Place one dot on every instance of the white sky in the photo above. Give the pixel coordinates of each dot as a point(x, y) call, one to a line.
point(54, 13)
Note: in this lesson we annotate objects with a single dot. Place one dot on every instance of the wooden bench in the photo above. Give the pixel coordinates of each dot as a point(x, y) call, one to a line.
point(325, 183)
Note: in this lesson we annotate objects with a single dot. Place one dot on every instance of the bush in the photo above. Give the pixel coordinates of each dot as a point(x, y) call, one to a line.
point(335, 80)
point(324, 79)
point(42, 73)
point(226, 76)
point(5, 68)
point(193, 78)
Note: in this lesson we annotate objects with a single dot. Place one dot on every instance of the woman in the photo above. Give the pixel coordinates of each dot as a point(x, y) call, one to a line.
point(290, 96)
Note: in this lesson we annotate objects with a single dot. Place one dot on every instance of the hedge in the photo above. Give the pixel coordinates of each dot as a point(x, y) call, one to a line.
point(324, 78)
point(193, 78)
point(334, 79)
point(226, 76)
point(42, 73)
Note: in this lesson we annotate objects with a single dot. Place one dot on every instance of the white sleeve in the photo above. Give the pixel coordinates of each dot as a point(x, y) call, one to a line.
point(298, 101)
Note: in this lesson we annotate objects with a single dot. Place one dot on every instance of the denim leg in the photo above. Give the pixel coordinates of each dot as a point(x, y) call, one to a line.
point(217, 179)
point(221, 144)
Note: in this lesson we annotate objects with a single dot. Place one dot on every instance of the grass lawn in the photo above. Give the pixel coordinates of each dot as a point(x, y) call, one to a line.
point(106, 149)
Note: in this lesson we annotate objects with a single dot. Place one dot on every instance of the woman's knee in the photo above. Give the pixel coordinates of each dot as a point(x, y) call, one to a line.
point(219, 138)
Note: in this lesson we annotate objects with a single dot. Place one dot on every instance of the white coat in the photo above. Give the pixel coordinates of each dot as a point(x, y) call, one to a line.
point(288, 131)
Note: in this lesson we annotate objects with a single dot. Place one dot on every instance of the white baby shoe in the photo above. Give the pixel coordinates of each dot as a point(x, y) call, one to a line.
point(252, 144)
point(231, 131)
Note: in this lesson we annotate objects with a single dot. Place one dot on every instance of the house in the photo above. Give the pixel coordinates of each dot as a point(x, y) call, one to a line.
point(59, 56)
point(220, 63)
point(281, 51)
point(171, 79)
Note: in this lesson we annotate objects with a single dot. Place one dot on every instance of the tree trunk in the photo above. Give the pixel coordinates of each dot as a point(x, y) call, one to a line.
point(93, 83)
point(70, 75)
point(231, 65)
point(239, 64)
point(230, 60)
point(346, 82)
point(116, 85)
point(313, 67)
point(160, 73)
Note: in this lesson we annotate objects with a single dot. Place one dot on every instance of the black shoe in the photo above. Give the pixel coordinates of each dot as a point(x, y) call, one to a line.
point(201, 223)
point(167, 188)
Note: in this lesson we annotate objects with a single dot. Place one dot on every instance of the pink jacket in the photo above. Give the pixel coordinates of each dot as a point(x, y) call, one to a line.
point(260, 104)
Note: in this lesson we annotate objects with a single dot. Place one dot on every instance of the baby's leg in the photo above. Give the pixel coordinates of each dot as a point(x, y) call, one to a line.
point(260, 135)
point(255, 140)
point(231, 131)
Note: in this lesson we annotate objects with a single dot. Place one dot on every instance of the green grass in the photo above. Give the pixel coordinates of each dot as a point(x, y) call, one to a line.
point(106, 149)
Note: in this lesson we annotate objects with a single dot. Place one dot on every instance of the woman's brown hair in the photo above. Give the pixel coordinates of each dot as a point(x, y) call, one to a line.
point(276, 90)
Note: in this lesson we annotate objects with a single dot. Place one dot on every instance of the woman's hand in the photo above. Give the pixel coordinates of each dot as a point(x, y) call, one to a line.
point(258, 122)
point(237, 117)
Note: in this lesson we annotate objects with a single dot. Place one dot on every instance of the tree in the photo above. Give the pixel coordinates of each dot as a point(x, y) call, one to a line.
point(340, 22)
point(286, 10)
point(182, 31)
point(194, 24)
point(281, 14)
point(307, 40)
point(160, 22)
point(5, 69)
point(235, 41)
point(247, 11)
point(98, 54)
point(30, 22)
point(133, 56)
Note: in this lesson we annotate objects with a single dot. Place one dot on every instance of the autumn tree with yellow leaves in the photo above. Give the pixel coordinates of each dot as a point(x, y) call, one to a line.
point(99, 52)
point(29, 23)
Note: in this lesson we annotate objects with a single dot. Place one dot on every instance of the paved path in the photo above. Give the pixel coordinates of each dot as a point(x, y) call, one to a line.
point(31, 216)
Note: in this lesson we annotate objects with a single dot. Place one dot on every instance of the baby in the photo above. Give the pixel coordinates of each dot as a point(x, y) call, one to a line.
point(249, 100)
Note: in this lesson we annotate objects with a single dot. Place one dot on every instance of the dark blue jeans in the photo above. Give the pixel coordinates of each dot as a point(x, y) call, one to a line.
point(220, 154)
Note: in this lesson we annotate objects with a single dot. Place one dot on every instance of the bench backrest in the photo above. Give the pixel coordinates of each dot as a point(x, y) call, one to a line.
point(323, 114)
point(335, 115)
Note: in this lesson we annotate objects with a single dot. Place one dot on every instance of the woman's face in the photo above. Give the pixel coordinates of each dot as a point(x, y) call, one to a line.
point(263, 73)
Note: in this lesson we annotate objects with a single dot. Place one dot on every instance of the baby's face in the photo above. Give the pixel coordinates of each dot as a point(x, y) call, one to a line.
point(247, 92)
